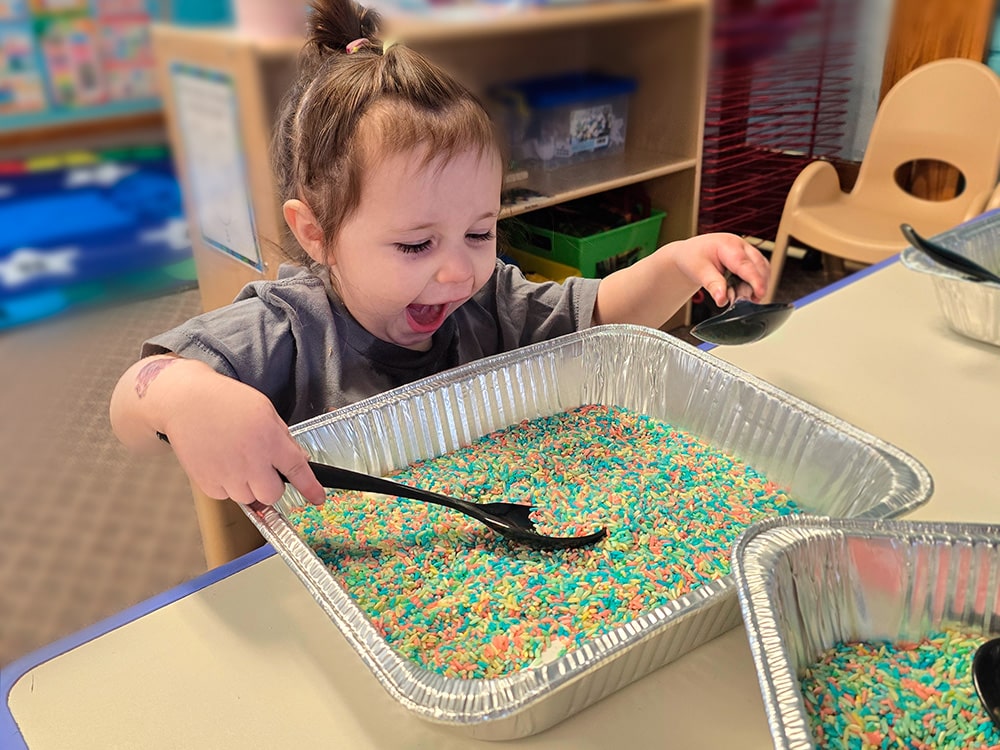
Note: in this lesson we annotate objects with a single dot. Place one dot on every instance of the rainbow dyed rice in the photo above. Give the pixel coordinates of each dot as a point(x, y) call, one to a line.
point(877, 694)
point(459, 600)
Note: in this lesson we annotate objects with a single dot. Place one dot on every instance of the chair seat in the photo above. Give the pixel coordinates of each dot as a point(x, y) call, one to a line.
point(854, 232)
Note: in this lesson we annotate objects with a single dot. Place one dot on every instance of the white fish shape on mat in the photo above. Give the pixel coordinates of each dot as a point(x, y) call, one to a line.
point(27, 264)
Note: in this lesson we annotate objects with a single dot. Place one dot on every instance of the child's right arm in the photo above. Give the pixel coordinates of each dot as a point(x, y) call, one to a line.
point(226, 435)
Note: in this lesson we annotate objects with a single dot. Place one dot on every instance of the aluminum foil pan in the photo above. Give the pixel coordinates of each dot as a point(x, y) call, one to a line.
point(971, 308)
point(807, 583)
point(829, 467)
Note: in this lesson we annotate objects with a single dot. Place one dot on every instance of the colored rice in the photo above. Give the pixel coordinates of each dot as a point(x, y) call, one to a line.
point(878, 694)
point(459, 600)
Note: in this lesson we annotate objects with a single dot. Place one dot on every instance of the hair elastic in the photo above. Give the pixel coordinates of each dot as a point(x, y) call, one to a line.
point(357, 44)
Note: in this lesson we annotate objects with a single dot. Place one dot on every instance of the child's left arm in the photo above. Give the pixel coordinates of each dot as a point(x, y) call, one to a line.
point(651, 290)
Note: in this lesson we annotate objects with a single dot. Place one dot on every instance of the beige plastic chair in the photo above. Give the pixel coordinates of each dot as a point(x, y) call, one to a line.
point(994, 201)
point(947, 110)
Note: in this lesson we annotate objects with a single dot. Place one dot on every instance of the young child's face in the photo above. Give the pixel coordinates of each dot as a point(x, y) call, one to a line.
point(421, 242)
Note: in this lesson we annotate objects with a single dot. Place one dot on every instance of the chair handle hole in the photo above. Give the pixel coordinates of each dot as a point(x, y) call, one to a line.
point(930, 179)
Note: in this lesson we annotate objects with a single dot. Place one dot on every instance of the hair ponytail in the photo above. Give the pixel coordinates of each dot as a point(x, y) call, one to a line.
point(334, 24)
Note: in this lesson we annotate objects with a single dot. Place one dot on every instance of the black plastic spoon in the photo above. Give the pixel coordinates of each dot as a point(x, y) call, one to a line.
point(948, 258)
point(743, 322)
point(511, 520)
point(986, 677)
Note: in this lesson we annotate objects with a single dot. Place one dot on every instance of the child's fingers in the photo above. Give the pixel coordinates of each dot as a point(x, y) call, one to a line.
point(301, 477)
point(719, 290)
point(743, 290)
point(267, 488)
point(242, 493)
point(749, 265)
point(763, 272)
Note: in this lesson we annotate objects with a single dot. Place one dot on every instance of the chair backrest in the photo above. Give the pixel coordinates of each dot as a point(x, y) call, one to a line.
point(946, 110)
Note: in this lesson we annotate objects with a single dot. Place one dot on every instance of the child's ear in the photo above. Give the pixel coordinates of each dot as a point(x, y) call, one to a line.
point(307, 231)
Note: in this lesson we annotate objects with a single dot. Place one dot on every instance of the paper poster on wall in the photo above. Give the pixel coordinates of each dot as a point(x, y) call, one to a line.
point(70, 46)
point(21, 87)
point(207, 115)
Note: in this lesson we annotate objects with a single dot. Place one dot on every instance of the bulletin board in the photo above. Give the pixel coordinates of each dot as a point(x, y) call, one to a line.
point(64, 60)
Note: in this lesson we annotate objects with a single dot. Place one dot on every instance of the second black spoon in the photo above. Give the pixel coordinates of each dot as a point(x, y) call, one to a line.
point(986, 677)
point(948, 258)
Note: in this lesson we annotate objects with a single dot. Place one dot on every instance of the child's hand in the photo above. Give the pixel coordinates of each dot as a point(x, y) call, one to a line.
point(232, 443)
point(651, 290)
point(705, 258)
point(226, 435)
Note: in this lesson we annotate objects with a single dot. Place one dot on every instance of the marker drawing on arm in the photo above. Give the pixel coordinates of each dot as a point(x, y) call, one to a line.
point(148, 374)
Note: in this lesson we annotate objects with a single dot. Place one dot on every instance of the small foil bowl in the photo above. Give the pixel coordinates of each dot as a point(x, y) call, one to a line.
point(828, 466)
point(972, 308)
point(807, 583)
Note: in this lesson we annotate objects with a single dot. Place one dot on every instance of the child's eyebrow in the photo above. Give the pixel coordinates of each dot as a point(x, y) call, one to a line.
point(431, 225)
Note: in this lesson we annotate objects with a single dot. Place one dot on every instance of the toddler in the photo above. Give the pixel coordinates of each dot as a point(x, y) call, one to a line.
point(390, 174)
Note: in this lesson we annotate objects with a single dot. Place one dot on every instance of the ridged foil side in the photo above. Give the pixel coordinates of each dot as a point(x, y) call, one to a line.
point(806, 583)
point(971, 307)
point(829, 466)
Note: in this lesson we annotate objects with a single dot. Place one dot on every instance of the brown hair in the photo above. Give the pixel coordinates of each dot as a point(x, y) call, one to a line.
point(345, 110)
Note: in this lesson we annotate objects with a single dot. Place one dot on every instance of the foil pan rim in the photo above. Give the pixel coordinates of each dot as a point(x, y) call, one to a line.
point(969, 306)
point(488, 364)
point(915, 260)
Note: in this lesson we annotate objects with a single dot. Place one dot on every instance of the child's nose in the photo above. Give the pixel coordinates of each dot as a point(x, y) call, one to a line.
point(457, 267)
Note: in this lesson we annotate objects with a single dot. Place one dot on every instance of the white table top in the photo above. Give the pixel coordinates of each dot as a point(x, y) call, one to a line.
point(243, 657)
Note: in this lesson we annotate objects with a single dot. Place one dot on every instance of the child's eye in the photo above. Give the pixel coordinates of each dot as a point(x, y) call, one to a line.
point(418, 248)
point(484, 237)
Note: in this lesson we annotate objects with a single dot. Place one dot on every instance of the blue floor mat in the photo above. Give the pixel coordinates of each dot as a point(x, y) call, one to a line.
point(80, 229)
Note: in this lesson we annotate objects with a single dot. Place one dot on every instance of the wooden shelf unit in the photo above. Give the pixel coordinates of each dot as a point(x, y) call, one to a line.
point(663, 44)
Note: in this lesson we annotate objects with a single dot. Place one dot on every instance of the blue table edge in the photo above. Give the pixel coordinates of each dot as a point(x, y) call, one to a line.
point(10, 735)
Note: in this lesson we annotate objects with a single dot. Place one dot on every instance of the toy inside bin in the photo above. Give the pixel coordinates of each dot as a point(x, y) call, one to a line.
point(595, 255)
point(562, 120)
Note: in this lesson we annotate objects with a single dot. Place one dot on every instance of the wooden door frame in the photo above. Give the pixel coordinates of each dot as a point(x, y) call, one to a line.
point(926, 30)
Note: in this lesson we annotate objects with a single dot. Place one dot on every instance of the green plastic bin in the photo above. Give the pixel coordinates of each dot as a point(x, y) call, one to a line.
point(597, 255)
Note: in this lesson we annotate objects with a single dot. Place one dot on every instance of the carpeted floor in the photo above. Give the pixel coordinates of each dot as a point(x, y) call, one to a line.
point(87, 530)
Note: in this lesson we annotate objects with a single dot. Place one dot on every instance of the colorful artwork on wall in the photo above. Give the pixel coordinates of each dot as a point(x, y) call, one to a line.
point(21, 85)
point(76, 76)
point(61, 59)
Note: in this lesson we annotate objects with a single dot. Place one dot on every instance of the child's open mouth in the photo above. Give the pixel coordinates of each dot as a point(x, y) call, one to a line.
point(426, 318)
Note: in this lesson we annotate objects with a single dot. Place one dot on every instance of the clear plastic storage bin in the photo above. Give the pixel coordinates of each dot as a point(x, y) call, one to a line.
point(557, 121)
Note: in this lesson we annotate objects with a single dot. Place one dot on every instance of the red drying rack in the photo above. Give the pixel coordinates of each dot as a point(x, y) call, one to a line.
point(778, 88)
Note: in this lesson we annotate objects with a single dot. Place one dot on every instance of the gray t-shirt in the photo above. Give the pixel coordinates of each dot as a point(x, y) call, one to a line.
point(293, 339)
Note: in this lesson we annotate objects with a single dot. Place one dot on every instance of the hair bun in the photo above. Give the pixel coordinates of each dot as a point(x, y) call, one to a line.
point(339, 25)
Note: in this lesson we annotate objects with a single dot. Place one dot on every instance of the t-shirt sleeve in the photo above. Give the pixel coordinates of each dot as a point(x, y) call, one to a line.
point(529, 312)
point(249, 340)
